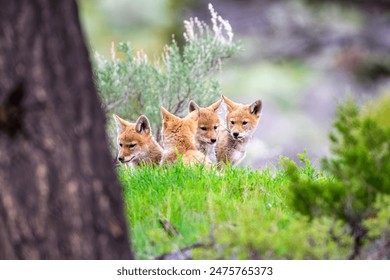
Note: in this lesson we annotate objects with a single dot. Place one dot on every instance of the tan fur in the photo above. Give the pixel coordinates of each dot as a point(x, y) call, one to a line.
point(145, 150)
point(241, 122)
point(208, 127)
point(178, 139)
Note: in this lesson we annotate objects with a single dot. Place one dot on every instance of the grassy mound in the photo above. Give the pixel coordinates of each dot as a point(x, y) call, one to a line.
point(235, 213)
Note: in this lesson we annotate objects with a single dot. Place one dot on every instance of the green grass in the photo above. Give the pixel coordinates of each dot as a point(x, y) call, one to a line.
point(236, 213)
point(193, 200)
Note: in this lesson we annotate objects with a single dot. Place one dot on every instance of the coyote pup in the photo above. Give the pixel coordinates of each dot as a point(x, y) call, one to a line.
point(241, 122)
point(136, 144)
point(207, 129)
point(178, 138)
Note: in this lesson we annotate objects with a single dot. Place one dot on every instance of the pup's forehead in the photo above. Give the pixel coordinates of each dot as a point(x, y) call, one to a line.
point(128, 134)
point(208, 116)
point(242, 112)
point(130, 127)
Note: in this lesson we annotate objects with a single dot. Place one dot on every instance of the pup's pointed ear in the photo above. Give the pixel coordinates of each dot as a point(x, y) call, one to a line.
point(256, 107)
point(142, 125)
point(120, 124)
point(193, 106)
point(230, 104)
point(167, 116)
point(216, 105)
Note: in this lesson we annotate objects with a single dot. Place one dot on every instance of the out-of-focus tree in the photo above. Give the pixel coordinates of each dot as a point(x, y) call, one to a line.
point(59, 196)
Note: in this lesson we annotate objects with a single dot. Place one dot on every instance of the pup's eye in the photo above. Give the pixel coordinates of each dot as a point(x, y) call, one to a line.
point(203, 128)
point(244, 122)
point(120, 145)
point(215, 126)
point(232, 122)
point(131, 145)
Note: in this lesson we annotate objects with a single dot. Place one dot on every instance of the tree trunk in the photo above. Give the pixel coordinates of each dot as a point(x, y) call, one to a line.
point(59, 196)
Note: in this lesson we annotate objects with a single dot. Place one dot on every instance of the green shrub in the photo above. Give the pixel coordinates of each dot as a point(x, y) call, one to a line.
point(379, 108)
point(377, 245)
point(359, 171)
point(259, 233)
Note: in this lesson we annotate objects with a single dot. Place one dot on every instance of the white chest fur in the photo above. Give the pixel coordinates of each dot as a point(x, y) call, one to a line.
point(211, 153)
point(237, 156)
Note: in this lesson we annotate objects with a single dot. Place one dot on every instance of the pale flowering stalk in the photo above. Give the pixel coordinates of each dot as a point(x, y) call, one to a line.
point(192, 27)
point(201, 26)
point(115, 62)
point(112, 50)
point(221, 26)
point(196, 29)
point(141, 57)
point(227, 28)
point(189, 35)
point(214, 17)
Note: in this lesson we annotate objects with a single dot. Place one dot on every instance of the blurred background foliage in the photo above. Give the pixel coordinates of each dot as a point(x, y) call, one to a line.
point(300, 56)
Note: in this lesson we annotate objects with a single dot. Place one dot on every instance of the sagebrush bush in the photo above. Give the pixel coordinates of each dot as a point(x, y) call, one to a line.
point(131, 84)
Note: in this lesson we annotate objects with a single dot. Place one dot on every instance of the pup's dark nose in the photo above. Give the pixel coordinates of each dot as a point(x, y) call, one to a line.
point(235, 134)
point(121, 159)
point(213, 140)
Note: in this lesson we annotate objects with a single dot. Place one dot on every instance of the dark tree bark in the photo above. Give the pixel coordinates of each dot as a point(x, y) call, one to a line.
point(59, 196)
